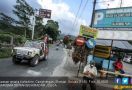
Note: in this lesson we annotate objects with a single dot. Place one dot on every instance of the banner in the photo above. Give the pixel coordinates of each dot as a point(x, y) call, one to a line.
point(113, 18)
point(88, 32)
point(102, 51)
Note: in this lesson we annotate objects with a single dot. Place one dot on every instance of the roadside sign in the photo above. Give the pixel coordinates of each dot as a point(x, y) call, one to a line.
point(45, 13)
point(88, 32)
point(91, 43)
point(114, 18)
point(102, 51)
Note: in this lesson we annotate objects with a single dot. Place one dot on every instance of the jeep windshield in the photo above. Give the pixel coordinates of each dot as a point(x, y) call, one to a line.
point(32, 44)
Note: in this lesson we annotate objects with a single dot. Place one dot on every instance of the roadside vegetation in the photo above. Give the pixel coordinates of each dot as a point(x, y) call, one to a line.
point(20, 28)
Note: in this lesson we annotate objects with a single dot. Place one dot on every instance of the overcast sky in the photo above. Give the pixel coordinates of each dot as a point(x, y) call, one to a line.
point(64, 11)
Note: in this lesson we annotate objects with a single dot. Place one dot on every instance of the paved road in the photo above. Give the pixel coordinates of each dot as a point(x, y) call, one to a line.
point(44, 68)
point(127, 68)
point(56, 65)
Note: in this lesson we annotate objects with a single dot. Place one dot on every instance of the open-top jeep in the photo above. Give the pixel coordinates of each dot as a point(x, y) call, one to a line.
point(33, 51)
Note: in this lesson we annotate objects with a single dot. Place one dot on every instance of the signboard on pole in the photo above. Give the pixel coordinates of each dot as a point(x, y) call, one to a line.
point(113, 19)
point(102, 51)
point(45, 13)
point(88, 32)
point(91, 43)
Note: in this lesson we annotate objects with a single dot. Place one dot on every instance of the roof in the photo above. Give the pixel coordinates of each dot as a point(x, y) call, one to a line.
point(119, 44)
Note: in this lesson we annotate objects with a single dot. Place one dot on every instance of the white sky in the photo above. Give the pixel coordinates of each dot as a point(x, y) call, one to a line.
point(61, 12)
point(115, 3)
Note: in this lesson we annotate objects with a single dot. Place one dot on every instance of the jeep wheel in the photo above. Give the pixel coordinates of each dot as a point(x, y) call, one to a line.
point(34, 61)
point(15, 60)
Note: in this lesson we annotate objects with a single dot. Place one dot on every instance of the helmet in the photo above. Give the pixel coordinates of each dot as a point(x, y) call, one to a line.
point(92, 62)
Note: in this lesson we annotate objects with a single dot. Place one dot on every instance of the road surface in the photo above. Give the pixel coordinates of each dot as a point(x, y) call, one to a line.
point(44, 68)
point(56, 65)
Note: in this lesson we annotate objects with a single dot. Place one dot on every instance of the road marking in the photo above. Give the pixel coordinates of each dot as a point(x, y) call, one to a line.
point(34, 73)
point(58, 71)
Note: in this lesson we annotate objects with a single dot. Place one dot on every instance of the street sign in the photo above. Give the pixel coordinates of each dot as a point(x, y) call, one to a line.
point(102, 51)
point(91, 43)
point(115, 18)
point(45, 13)
point(88, 32)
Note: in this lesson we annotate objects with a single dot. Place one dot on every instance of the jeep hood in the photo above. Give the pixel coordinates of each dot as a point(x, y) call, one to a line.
point(26, 48)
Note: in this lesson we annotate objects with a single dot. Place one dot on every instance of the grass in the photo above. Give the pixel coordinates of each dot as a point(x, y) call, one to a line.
point(5, 52)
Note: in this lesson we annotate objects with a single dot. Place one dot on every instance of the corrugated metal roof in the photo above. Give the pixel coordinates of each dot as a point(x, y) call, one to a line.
point(119, 44)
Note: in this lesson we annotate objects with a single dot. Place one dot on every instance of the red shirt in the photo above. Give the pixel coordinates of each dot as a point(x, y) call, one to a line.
point(118, 65)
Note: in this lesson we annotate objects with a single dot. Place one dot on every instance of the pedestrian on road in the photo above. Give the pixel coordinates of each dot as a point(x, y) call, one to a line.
point(90, 73)
point(45, 39)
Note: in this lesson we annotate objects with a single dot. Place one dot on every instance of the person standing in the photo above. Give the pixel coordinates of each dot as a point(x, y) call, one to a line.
point(90, 73)
point(46, 48)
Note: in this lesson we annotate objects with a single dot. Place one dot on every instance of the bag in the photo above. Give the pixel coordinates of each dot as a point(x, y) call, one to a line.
point(80, 41)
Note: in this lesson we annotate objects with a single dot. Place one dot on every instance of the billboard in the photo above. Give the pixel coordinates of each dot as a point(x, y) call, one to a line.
point(45, 13)
point(113, 19)
point(114, 35)
point(88, 32)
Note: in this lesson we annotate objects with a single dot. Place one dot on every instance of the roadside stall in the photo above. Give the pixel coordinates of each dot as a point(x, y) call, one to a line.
point(83, 45)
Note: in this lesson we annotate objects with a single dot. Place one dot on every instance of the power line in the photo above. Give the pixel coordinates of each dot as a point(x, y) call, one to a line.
point(82, 11)
point(77, 13)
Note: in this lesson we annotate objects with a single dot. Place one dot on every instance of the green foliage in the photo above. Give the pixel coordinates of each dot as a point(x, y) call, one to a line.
point(8, 25)
point(39, 28)
point(51, 28)
point(5, 52)
point(23, 11)
point(6, 38)
point(22, 27)
point(19, 40)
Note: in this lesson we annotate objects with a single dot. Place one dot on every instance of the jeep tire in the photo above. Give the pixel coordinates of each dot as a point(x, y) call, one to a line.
point(34, 62)
point(15, 60)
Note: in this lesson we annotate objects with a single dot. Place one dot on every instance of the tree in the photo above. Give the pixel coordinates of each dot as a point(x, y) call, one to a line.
point(6, 21)
point(23, 11)
point(39, 27)
point(52, 29)
point(9, 24)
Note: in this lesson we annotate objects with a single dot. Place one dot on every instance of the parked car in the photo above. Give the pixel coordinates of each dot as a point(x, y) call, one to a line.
point(128, 59)
point(33, 51)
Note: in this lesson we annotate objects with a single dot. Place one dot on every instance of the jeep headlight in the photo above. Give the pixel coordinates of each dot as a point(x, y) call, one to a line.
point(29, 53)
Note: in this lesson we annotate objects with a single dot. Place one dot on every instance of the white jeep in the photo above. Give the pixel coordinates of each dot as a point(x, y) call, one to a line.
point(33, 51)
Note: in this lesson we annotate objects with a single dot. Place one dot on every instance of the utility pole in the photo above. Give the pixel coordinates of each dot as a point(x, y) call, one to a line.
point(93, 13)
point(33, 22)
point(121, 4)
point(33, 26)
